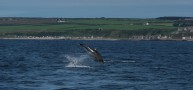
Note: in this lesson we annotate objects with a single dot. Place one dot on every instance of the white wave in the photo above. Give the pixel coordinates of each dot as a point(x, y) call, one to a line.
point(121, 61)
point(77, 66)
point(77, 61)
point(128, 61)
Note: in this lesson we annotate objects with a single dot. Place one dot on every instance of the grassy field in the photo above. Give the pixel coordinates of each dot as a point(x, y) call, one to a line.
point(109, 27)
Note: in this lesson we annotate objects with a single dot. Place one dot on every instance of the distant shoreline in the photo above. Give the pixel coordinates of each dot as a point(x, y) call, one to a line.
point(53, 38)
point(163, 28)
point(83, 38)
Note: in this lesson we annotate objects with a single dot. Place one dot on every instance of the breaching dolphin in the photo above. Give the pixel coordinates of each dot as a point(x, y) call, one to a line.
point(93, 52)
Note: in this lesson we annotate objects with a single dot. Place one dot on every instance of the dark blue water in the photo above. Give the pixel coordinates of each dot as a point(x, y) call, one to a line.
point(129, 65)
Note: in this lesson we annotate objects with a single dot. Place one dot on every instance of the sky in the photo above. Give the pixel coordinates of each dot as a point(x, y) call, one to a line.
point(96, 8)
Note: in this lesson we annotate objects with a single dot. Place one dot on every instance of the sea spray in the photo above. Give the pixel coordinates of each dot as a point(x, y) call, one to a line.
point(77, 61)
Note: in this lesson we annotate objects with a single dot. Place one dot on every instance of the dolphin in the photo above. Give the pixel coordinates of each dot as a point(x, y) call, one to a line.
point(94, 53)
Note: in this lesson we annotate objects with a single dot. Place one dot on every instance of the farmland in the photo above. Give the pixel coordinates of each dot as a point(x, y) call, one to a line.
point(85, 27)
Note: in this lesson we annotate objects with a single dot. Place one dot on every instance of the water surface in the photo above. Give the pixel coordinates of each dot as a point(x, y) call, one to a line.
point(63, 64)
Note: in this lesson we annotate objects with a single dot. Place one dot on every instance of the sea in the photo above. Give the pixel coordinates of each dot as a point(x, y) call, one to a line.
point(65, 65)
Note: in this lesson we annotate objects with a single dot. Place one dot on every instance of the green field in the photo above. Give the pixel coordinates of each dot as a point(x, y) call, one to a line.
point(103, 27)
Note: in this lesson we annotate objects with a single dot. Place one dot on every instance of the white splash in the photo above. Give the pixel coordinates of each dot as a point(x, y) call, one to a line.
point(77, 61)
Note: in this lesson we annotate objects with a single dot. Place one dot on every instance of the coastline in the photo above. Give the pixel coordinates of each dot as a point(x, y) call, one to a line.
point(88, 38)
point(57, 38)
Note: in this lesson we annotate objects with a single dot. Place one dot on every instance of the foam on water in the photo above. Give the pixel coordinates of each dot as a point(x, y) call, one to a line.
point(121, 61)
point(77, 61)
point(128, 61)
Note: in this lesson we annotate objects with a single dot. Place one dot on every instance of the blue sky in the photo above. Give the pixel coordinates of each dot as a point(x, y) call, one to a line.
point(96, 8)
